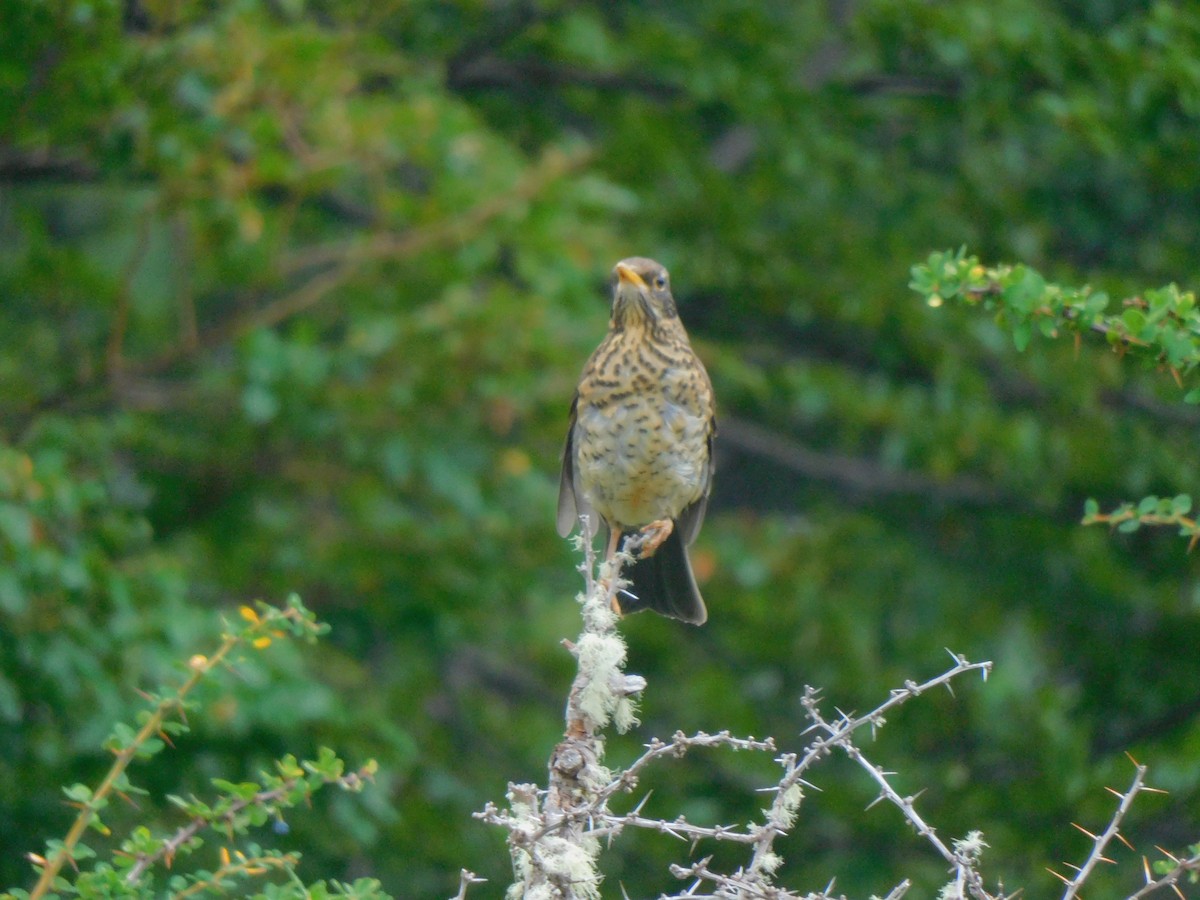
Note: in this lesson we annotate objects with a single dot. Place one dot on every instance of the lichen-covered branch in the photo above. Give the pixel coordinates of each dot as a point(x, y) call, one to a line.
point(556, 833)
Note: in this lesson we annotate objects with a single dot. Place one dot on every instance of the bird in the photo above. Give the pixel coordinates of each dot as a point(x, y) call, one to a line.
point(638, 453)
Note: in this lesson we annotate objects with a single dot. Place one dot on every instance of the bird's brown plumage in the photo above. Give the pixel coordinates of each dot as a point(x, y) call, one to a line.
point(639, 443)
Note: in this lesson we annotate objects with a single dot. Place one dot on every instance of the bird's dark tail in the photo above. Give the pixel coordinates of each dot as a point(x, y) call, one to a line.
point(664, 583)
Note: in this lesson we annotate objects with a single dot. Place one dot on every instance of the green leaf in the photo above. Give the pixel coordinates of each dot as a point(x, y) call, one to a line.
point(150, 747)
point(244, 790)
point(122, 736)
point(1021, 333)
point(80, 793)
point(1026, 290)
point(1134, 320)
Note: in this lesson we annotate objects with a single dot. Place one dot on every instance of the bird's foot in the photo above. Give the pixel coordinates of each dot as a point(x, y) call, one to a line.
point(654, 535)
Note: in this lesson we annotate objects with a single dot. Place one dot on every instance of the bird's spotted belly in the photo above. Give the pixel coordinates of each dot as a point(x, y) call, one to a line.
point(640, 470)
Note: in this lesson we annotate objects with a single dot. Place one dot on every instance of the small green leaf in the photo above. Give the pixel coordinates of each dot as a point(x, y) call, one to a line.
point(1147, 505)
point(1021, 333)
point(149, 747)
point(1134, 320)
point(243, 791)
point(1091, 508)
point(121, 737)
point(1130, 525)
point(257, 816)
point(80, 793)
point(1181, 505)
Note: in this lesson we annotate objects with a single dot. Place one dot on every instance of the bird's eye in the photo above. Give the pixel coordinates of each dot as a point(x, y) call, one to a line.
point(660, 282)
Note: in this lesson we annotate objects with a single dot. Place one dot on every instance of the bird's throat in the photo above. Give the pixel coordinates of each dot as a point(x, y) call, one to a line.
point(633, 311)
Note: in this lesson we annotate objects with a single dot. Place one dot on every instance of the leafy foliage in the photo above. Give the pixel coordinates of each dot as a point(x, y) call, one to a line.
point(1165, 323)
point(238, 809)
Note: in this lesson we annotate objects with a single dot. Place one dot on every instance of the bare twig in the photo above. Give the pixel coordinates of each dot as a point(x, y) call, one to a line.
point(466, 878)
point(838, 734)
point(1171, 879)
point(1101, 841)
point(679, 745)
point(610, 824)
point(965, 852)
point(744, 886)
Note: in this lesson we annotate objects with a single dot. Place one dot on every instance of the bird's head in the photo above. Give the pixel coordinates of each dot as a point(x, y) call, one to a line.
point(641, 293)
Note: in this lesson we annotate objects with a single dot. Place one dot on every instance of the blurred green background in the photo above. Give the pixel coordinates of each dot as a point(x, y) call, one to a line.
point(293, 296)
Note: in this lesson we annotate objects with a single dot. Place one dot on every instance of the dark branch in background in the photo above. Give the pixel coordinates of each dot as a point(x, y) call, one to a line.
point(17, 166)
point(505, 22)
point(862, 475)
point(493, 71)
point(480, 63)
point(1150, 406)
point(477, 65)
point(1153, 729)
point(905, 86)
point(136, 19)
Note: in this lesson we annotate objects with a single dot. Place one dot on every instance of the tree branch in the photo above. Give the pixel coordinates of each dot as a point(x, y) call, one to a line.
point(856, 474)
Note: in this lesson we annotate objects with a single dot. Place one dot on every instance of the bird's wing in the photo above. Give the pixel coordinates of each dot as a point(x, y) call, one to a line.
point(568, 503)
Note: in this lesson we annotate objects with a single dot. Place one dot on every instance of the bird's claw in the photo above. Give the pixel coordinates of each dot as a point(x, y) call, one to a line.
point(654, 535)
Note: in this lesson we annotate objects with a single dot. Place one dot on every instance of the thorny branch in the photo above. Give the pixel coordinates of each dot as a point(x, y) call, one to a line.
point(555, 833)
point(964, 855)
point(1181, 866)
point(466, 878)
point(1101, 841)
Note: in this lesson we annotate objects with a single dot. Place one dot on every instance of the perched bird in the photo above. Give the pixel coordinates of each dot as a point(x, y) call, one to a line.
point(638, 454)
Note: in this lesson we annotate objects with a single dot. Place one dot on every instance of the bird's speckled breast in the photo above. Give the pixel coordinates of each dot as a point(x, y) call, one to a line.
point(642, 428)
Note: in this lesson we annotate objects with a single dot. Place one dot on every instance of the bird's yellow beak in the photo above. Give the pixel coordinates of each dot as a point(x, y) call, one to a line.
point(626, 275)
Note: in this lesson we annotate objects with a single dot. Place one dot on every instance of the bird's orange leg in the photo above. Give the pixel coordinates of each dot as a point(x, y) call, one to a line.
point(614, 540)
point(656, 533)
